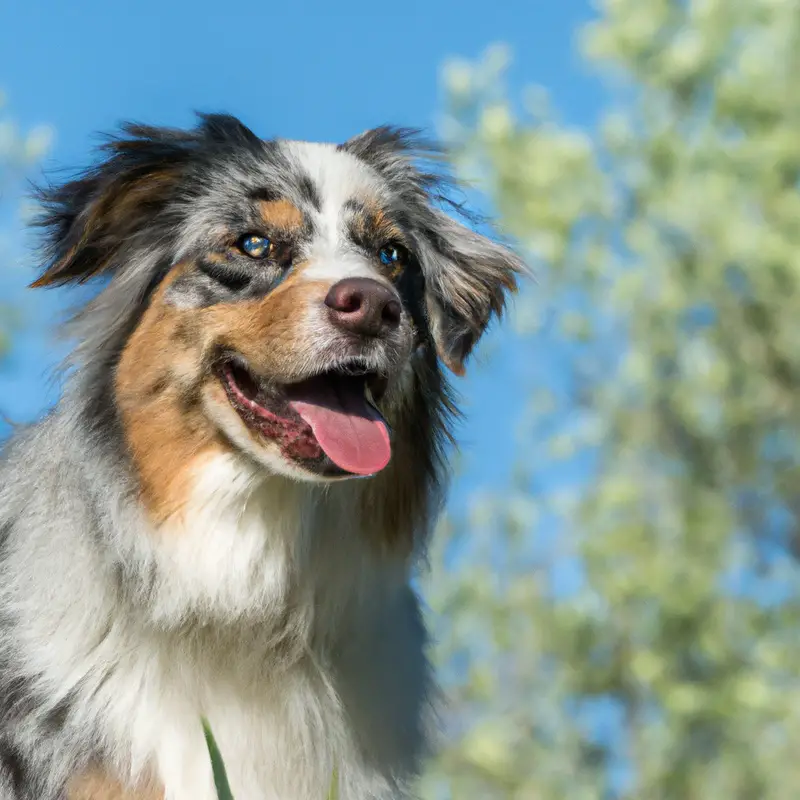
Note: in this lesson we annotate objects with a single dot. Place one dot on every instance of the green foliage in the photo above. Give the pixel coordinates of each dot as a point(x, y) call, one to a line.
point(624, 622)
point(18, 152)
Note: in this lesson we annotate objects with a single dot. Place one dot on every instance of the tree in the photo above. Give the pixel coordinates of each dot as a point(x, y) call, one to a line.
point(624, 621)
point(18, 153)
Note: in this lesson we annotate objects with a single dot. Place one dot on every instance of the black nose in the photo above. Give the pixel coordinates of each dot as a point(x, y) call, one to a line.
point(364, 306)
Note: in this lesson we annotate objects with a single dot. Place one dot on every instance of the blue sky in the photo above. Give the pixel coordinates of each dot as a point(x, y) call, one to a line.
point(301, 69)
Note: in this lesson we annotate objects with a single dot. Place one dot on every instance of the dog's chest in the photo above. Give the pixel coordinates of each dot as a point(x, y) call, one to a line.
point(280, 736)
point(336, 652)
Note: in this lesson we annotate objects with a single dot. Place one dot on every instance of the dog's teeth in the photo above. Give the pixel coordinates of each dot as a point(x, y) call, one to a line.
point(368, 396)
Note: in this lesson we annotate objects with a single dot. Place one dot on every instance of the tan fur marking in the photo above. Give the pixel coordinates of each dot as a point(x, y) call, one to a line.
point(373, 225)
point(97, 786)
point(163, 372)
point(158, 384)
point(373, 221)
point(281, 214)
point(384, 228)
point(382, 225)
point(217, 258)
point(114, 211)
point(272, 332)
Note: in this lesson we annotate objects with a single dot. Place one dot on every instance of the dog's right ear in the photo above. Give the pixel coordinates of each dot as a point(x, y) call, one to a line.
point(92, 222)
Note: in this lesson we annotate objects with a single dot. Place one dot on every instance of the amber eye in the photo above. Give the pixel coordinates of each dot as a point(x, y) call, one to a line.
point(255, 246)
point(393, 255)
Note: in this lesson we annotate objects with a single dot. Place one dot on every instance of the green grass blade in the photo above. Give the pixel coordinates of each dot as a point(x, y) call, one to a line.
point(217, 765)
point(333, 792)
point(221, 777)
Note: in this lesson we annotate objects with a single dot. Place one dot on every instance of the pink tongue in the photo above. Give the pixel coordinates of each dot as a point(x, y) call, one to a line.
point(352, 433)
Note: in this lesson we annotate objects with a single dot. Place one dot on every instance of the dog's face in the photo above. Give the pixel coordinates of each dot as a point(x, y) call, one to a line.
point(292, 311)
point(285, 291)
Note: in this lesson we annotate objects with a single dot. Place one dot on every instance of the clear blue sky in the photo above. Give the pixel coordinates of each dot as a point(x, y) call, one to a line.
point(301, 69)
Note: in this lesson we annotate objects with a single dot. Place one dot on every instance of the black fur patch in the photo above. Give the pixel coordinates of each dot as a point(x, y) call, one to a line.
point(14, 772)
point(309, 191)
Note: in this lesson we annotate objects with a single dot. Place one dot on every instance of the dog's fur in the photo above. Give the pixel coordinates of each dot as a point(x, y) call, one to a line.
point(160, 561)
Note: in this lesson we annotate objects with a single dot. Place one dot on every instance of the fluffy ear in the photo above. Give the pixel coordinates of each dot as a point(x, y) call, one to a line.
point(92, 221)
point(467, 278)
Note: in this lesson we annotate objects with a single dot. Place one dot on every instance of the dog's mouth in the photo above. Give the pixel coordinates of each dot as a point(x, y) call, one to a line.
point(329, 419)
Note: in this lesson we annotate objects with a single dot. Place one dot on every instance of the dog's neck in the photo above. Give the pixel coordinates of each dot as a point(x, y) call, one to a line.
point(249, 548)
point(246, 547)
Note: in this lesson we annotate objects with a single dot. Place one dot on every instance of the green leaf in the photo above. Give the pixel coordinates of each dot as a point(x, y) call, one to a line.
point(333, 792)
point(217, 765)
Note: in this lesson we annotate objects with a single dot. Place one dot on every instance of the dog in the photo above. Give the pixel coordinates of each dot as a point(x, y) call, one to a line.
point(220, 518)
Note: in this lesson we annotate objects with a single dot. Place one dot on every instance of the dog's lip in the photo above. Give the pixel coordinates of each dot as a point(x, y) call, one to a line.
point(234, 370)
point(241, 385)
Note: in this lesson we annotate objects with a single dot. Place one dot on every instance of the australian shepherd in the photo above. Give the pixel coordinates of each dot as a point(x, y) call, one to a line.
point(220, 518)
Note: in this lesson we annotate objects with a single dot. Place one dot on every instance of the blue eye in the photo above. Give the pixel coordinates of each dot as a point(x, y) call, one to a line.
point(255, 246)
point(393, 255)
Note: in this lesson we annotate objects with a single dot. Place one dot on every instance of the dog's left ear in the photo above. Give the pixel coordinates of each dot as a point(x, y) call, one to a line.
point(467, 276)
point(467, 279)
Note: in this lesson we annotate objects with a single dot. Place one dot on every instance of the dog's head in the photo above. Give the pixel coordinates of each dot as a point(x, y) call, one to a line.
point(290, 300)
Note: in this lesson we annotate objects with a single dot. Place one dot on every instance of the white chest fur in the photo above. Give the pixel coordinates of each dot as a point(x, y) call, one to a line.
point(280, 736)
point(311, 655)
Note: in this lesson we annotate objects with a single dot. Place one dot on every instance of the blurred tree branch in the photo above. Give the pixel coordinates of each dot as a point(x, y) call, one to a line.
point(667, 250)
point(19, 151)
